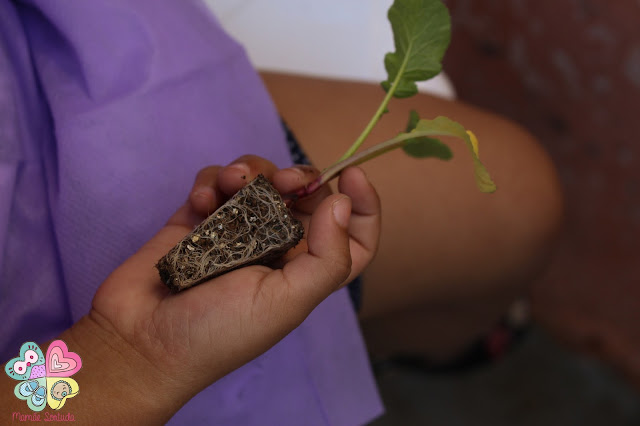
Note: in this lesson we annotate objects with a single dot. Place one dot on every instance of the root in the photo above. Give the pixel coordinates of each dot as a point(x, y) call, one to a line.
point(253, 227)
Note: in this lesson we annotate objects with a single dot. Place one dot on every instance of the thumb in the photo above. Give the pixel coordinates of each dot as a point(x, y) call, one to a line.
point(312, 276)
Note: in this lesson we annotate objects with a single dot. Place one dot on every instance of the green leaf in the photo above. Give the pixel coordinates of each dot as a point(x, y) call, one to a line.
point(421, 32)
point(423, 147)
point(427, 147)
point(414, 118)
point(440, 126)
point(445, 126)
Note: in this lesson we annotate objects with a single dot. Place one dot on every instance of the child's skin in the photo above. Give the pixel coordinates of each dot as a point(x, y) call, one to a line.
point(161, 349)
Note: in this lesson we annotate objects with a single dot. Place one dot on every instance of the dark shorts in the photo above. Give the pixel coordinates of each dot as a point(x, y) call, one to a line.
point(298, 156)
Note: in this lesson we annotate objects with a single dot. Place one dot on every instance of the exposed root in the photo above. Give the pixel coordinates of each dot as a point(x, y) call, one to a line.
point(253, 227)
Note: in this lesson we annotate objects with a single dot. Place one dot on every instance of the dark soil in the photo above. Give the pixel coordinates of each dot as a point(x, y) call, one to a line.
point(253, 227)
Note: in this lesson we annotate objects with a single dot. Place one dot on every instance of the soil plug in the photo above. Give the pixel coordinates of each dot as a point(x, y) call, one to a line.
point(253, 227)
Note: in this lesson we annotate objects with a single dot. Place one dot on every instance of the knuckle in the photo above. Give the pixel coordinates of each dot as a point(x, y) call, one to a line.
point(247, 158)
point(207, 173)
point(339, 268)
point(254, 161)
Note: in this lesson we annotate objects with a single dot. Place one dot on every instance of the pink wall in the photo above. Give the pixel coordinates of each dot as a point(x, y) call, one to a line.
point(569, 71)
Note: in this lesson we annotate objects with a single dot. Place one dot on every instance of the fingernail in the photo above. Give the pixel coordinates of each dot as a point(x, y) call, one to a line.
point(297, 171)
point(205, 192)
point(341, 211)
point(240, 167)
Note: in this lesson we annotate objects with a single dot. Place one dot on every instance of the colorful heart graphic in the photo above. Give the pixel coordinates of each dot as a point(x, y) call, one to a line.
point(59, 390)
point(60, 361)
point(31, 357)
point(34, 392)
point(58, 366)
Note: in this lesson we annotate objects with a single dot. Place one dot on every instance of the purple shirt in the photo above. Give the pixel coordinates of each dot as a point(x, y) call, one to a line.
point(108, 108)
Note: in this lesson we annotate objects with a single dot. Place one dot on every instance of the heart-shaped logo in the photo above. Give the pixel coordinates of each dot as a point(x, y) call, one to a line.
point(34, 392)
point(31, 357)
point(60, 361)
point(57, 365)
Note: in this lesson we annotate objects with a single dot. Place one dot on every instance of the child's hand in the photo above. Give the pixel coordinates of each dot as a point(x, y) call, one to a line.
point(364, 223)
point(177, 344)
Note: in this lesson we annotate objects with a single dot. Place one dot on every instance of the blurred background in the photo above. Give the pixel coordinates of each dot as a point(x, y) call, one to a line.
point(569, 71)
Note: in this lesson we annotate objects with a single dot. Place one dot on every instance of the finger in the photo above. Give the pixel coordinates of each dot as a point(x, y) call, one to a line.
point(242, 171)
point(205, 196)
point(354, 183)
point(364, 226)
point(288, 181)
point(312, 276)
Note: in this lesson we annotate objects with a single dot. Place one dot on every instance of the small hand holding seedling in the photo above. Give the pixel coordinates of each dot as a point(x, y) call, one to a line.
point(146, 352)
point(263, 228)
point(197, 336)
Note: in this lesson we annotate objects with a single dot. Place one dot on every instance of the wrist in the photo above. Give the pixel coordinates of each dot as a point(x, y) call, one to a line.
point(116, 380)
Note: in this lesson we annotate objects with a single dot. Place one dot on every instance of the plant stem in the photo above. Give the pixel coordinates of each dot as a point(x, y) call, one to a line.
point(369, 127)
point(381, 109)
point(334, 170)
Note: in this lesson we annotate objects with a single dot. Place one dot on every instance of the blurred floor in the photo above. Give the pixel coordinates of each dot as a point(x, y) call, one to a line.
point(538, 384)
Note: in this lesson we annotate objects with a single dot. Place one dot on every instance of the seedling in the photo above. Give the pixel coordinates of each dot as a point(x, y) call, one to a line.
point(421, 32)
point(256, 227)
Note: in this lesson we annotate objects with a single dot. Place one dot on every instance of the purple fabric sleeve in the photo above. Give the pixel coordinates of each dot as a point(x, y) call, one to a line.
point(7, 183)
point(117, 105)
